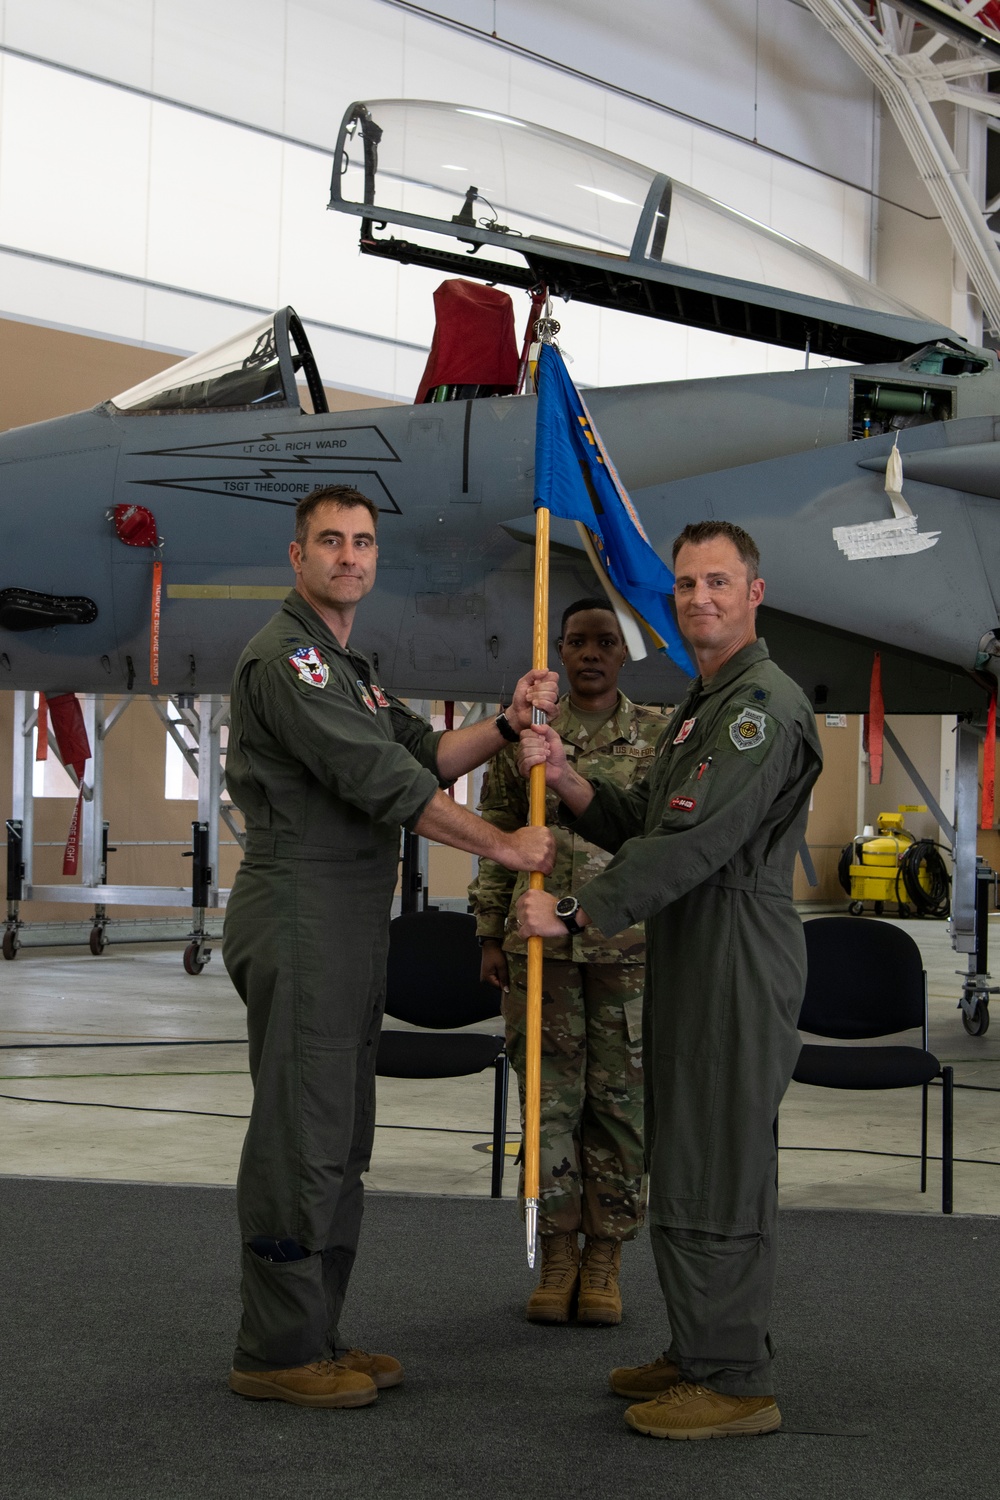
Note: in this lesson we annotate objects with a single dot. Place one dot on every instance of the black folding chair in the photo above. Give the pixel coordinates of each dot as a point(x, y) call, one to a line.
point(433, 981)
point(866, 980)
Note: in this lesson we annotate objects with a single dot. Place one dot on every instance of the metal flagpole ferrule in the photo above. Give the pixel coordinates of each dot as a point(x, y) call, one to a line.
point(531, 1228)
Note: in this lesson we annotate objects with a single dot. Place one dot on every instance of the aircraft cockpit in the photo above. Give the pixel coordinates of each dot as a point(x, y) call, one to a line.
point(260, 367)
point(599, 228)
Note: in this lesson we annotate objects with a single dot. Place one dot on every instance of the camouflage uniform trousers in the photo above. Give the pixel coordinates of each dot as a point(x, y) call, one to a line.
point(591, 1149)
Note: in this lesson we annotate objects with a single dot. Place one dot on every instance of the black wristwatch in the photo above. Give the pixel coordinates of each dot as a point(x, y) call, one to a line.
point(567, 911)
point(506, 728)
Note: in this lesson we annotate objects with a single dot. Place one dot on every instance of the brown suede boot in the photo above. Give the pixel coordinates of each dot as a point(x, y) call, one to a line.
point(325, 1382)
point(600, 1298)
point(552, 1299)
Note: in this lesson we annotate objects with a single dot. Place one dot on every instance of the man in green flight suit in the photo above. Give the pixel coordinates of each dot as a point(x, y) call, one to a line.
point(591, 1086)
point(705, 850)
point(326, 768)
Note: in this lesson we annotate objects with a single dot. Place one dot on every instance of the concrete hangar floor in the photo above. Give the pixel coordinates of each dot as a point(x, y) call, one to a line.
point(121, 1290)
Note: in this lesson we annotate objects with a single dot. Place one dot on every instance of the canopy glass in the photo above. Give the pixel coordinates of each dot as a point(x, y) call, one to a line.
point(257, 367)
point(445, 166)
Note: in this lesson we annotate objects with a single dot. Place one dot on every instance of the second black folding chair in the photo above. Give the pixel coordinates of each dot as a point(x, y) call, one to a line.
point(867, 981)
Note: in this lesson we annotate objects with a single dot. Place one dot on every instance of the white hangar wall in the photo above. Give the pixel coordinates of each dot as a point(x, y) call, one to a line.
point(164, 168)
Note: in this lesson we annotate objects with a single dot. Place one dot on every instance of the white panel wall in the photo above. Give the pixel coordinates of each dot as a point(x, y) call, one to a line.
point(761, 69)
point(189, 224)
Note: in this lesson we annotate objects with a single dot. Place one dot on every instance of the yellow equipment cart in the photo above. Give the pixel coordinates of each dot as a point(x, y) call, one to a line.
point(893, 865)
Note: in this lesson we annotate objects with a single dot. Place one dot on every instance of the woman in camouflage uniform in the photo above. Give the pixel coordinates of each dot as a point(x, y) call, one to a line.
point(591, 1106)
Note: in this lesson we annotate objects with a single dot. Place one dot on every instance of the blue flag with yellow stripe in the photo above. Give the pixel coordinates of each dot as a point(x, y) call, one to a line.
point(575, 479)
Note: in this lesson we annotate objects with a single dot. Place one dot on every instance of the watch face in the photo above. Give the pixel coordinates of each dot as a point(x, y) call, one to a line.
point(566, 907)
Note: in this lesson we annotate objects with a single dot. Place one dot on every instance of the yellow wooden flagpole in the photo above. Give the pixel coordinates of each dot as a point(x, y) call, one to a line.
point(536, 818)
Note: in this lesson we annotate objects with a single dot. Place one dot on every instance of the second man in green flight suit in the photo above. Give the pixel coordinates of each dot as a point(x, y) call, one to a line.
point(591, 1104)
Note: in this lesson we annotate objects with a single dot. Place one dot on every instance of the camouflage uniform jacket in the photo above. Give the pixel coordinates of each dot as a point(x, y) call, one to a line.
point(621, 752)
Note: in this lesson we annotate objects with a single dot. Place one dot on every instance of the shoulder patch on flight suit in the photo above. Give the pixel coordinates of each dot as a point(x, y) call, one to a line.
point(310, 666)
point(366, 696)
point(749, 729)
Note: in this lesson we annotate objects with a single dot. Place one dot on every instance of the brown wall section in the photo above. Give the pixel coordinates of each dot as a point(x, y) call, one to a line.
point(834, 809)
point(46, 372)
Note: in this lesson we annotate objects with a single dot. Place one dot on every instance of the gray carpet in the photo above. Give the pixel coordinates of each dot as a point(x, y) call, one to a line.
point(120, 1302)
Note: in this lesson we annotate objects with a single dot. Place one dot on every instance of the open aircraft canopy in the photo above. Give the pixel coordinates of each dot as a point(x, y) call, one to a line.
point(600, 228)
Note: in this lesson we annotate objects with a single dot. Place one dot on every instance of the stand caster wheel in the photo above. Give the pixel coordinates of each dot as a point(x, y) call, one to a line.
point(10, 943)
point(978, 1023)
point(98, 941)
point(856, 908)
point(905, 909)
point(879, 908)
point(193, 960)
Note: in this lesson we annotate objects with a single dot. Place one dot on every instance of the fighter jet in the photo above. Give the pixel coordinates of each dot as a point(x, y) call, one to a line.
point(213, 453)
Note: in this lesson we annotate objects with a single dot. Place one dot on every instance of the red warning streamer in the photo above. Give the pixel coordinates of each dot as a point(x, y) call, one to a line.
point(990, 764)
point(42, 745)
point(71, 855)
point(135, 525)
point(876, 723)
point(154, 624)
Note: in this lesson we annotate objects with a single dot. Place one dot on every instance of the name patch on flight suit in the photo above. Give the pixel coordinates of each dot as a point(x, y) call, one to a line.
point(310, 666)
point(366, 696)
point(682, 804)
point(749, 730)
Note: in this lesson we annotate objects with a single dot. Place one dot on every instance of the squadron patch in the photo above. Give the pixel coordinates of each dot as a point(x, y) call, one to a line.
point(310, 666)
point(380, 697)
point(684, 731)
point(748, 731)
point(366, 696)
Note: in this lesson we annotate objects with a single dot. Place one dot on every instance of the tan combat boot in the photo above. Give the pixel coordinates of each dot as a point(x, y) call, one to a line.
point(552, 1299)
point(325, 1382)
point(691, 1411)
point(600, 1298)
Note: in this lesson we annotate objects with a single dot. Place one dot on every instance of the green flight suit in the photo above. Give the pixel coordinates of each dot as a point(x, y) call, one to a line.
point(706, 848)
point(591, 1163)
point(325, 769)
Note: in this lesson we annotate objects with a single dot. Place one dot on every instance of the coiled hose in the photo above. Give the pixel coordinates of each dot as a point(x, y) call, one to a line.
point(937, 901)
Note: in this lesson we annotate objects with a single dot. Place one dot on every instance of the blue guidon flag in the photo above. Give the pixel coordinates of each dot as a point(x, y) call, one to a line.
point(575, 479)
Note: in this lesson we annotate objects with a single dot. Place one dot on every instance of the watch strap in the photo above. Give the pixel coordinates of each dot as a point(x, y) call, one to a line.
point(506, 728)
